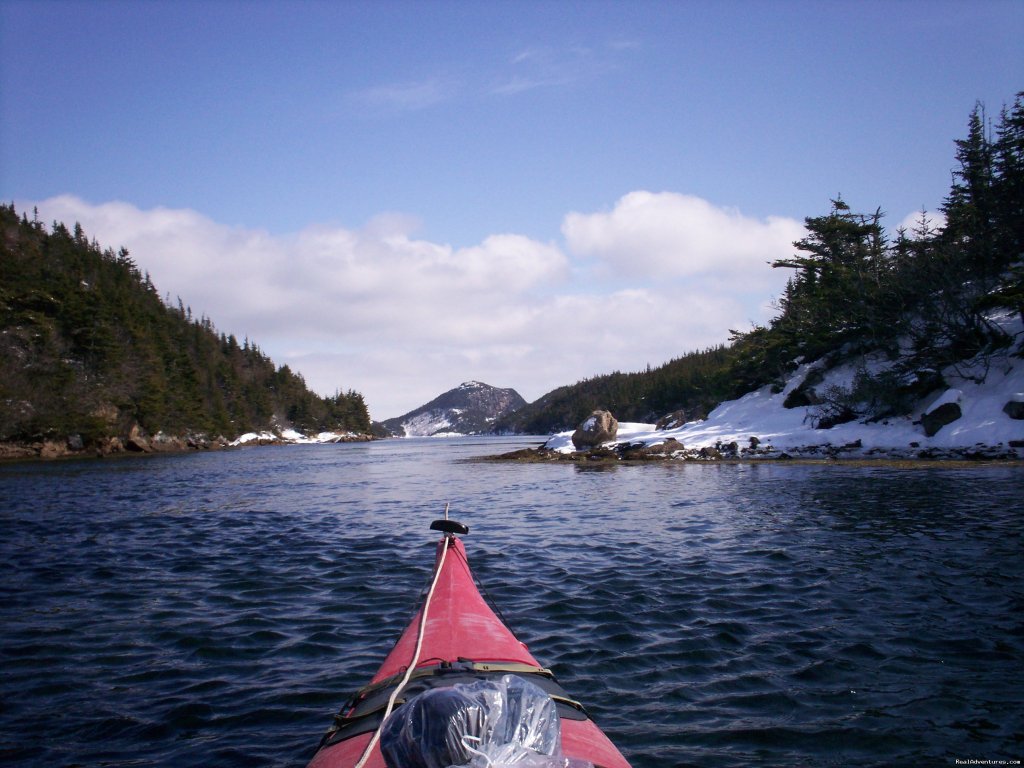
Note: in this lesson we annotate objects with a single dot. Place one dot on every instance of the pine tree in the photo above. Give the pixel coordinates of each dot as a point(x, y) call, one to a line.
point(1008, 182)
point(840, 273)
point(970, 207)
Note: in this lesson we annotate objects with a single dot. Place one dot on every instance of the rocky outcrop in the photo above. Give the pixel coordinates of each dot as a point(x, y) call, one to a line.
point(944, 411)
point(1014, 408)
point(74, 446)
point(161, 443)
point(137, 442)
point(639, 452)
point(53, 449)
point(644, 452)
point(14, 451)
point(600, 427)
point(671, 421)
point(109, 446)
point(804, 394)
point(673, 450)
point(348, 438)
point(678, 418)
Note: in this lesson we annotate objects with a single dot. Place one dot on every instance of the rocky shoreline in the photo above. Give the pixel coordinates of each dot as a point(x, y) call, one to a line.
point(674, 451)
point(599, 440)
point(137, 443)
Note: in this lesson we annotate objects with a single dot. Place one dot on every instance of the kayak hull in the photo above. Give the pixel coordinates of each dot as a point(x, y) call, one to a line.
point(462, 639)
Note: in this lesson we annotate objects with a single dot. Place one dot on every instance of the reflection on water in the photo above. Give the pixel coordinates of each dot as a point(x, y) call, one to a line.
point(215, 609)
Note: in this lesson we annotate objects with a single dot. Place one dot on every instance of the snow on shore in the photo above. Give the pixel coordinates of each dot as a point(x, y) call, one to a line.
point(983, 427)
point(759, 425)
point(290, 436)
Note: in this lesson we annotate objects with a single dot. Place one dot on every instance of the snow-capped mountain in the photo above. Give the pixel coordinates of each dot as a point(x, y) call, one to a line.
point(469, 409)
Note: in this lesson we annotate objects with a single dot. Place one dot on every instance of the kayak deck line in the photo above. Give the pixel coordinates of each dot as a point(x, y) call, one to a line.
point(452, 668)
point(454, 640)
point(445, 666)
point(421, 626)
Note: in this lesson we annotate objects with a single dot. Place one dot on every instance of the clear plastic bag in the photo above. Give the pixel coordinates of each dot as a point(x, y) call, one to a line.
point(486, 724)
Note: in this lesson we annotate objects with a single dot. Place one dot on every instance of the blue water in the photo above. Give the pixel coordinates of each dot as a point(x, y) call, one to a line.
point(216, 609)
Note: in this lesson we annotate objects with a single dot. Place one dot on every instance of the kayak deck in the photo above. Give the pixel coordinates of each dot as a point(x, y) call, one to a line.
point(461, 640)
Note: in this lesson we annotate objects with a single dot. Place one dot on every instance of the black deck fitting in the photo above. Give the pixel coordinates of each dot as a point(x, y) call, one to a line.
point(451, 527)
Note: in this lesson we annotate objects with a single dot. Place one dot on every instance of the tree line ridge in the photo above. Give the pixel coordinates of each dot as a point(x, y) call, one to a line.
point(89, 349)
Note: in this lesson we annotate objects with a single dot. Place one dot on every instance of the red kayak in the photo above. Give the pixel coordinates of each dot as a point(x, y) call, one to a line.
point(456, 644)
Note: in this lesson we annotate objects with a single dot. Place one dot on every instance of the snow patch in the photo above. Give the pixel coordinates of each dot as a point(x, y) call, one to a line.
point(949, 396)
point(292, 437)
point(761, 414)
point(427, 423)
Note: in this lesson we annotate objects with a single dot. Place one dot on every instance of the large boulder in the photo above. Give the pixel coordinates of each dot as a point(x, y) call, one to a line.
point(672, 420)
point(600, 427)
point(804, 395)
point(137, 442)
point(943, 411)
point(109, 445)
point(52, 449)
point(163, 443)
point(1014, 408)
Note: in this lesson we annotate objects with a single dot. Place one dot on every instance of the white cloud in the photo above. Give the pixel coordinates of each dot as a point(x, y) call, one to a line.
point(668, 235)
point(402, 319)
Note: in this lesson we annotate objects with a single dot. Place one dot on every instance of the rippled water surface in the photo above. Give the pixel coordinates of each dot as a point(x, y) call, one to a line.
point(216, 609)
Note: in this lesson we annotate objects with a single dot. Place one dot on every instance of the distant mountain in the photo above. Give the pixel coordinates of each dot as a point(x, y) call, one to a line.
point(469, 409)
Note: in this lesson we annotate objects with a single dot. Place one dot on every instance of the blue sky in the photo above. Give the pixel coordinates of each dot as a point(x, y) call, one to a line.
point(557, 161)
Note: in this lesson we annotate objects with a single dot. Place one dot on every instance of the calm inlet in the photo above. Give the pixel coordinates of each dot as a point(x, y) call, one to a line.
point(216, 609)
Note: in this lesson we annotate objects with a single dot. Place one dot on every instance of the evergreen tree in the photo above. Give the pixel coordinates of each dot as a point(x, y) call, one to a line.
point(835, 294)
point(970, 207)
point(1008, 193)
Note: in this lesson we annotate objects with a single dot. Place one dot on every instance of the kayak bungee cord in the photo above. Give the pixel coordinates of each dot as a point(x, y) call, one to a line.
point(415, 656)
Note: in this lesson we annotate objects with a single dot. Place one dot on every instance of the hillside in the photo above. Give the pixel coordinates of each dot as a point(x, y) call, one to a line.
point(469, 409)
point(90, 352)
point(974, 410)
point(922, 305)
point(689, 386)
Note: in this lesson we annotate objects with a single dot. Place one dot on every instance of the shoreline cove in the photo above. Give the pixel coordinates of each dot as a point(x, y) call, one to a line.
point(611, 457)
point(72, 448)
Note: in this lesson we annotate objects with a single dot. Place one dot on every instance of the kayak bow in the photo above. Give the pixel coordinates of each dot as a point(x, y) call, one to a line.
point(454, 639)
